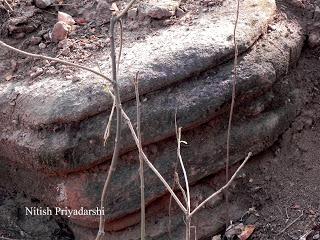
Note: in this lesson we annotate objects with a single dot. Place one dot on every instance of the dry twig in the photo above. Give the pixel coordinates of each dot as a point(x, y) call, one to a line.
point(141, 167)
point(290, 224)
point(117, 100)
point(188, 219)
point(8, 5)
point(224, 187)
point(235, 73)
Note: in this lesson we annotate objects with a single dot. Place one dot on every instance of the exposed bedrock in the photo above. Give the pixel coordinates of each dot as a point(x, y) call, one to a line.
point(52, 134)
point(58, 125)
point(261, 115)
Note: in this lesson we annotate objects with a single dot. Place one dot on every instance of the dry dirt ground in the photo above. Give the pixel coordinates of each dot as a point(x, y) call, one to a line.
point(281, 184)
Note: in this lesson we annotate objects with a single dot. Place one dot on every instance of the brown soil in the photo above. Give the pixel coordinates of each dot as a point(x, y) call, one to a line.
point(282, 183)
point(85, 42)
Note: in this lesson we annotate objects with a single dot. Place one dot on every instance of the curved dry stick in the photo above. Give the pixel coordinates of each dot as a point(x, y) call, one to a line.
point(107, 131)
point(224, 187)
point(124, 11)
point(8, 5)
point(145, 158)
point(54, 60)
point(232, 102)
point(183, 167)
point(188, 219)
point(117, 99)
point(117, 142)
point(141, 167)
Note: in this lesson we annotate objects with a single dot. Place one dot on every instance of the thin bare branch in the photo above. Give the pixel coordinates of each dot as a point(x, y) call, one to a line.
point(290, 224)
point(8, 5)
point(177, 181)
point(224, 187)
point(124, 11)
point(117, 100)
point(117, 142)
point(5, 238)
point(145, 158)
point(141, 168)
point(183, 168)
point(107, 131)
point(121, 45)
point(235, 73)
point(54, 60)
point(195, 232)
point(188, 219)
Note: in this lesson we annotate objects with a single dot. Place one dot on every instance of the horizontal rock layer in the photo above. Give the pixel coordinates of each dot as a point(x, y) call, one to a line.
point(57, 148)
point(58, 125)
point(70, 147)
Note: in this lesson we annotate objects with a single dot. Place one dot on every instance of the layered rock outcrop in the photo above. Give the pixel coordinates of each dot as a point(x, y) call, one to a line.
point(52, 130)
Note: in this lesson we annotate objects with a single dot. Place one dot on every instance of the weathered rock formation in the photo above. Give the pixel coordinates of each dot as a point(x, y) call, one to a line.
point(51, 132)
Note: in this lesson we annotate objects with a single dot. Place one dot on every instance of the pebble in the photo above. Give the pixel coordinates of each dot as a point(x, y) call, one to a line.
point(59, 32)
point(42, 46)
point(66, 18)
point(65, 51)
point(158, 10)
point(64, 43)
point(132, 14)
point(36, 73)
point(314, 39)
point(180, 12)
point(43, 3)
point(19, 35)
point(35, 40)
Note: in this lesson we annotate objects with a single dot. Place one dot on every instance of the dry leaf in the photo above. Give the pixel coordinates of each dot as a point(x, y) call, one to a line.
point(246, 233)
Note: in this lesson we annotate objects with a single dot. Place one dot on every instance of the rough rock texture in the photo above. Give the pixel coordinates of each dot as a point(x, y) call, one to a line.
point(53, 119)
point(260, 117)
point(52, 130)
point(158, 10)
point(14, 224)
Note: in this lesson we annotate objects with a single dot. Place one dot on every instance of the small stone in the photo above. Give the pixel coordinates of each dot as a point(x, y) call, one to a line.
point(314, 39)
point(65, 51)
point(19, 35)
point(217, 237)
point(42, 46)
point(43, 3)
point(66, 18)
point(35, 40)
point(158, 10)
point(36, 73)
point(51, 70)
point(60, 31)
point(64, 43)
point(132, 13)
point(316, 236)
point(180, 12)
